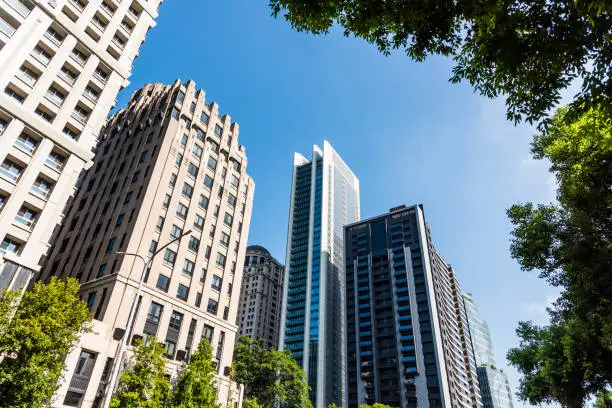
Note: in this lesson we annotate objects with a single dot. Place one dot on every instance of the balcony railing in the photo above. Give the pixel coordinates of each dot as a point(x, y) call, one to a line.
point(28, 222)
point(40, 57)
point(92, 97)
point(70, 80)
point(54, 163)
point(22, 7)
point(11, 175)
point(79, 383)
point(55, 99)
point(6, 28)
point(42, 193)
point(80, 118)
point(78, 59)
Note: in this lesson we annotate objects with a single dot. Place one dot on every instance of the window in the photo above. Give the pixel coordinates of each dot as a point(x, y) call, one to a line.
point(194, 244)
point(207, 333)
point(181, 211)
point(225, 239)
point(204, 117)
point(220, 259)
point(228, 219)
point(136, 176)
point(184, 140)
point(169, 257)
point(208, 181)
point(218, 130)
point(183, 292)
point(155, 312)
point(26, 143)
point(212, 163)
point(163, 282)
point(216, 282)
point(172, 179)
point(192, 107)
point(207, 252)
point(188, 267)
point(101, 270)
point(181, 96)
point(198, 299)
point(212, 306)
point(143, 156)
point(197, 150)
point(152, 247)
point(203, 201)
point(111, 245)
point(175, 232)
point(231, 199)
point(175, 113)
point(128, 197)
point(11, 169)
point(179, 159)
point(149, 138)
point(214, 146)
point(200, 134)
point(166, 201)
point(169, 349)
point(91, 300)
point(234, 181)
point(198, 222)
point(192, 170)
point(120, 220)
point(187, 190)
point(9, 245)
point(212, 230)
point(160, 222)
point(216, 211)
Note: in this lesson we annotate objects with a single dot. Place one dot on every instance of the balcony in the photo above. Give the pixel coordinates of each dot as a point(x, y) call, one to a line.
point(22, 7)
point(54, 99)
point(79, 117)
point(79, 59)
point(66, 77)
point(91, 96)
point(27, 219)
point(41, 191)
point(6, 28)
point(79, 383)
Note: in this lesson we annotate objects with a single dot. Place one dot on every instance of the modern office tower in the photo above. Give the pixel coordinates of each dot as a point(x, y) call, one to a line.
point(407, 338)
point(62, 64)
point(324, 197)
point(494, 385)
point(261, 296)
point(167, 164)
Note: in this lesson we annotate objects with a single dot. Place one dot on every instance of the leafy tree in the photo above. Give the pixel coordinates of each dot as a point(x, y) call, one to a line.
point(144, 383)
point(604, 400)
point(196, 384)
point(569, 244)
point(36, 340)
point(251, 403)
point(526, 50)
point(269, 376)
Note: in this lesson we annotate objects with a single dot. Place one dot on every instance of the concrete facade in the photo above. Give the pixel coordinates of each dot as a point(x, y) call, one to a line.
point(62, 64)
point(324, 197)
point(407, 338)
point(261, 296)
point(168, 163)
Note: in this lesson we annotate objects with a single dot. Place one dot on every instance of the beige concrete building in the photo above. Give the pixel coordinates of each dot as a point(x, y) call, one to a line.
point(62, 64)
point(167, 164)
point(261, 296)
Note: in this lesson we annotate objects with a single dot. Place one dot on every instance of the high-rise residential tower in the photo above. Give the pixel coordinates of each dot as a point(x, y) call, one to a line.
point(261, 294)
point(167, 164)
point(62, 64)
point(324, 197)
point(494, 385)
point(407, 338)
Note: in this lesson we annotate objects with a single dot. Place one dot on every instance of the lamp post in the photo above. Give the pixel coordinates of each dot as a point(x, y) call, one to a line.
point(131, 318)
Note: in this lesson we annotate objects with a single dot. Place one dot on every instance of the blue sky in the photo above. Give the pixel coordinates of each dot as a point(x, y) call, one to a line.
point(408, 134)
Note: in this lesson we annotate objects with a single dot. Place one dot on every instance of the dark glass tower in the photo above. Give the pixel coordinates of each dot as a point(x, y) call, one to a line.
point(407, 338)
point(324, 197)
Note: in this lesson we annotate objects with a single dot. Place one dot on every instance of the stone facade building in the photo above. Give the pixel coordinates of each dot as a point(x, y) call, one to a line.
point(62, 64)
point(168, 164)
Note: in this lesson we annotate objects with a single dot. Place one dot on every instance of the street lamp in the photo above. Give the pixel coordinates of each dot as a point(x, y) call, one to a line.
point(131, 318)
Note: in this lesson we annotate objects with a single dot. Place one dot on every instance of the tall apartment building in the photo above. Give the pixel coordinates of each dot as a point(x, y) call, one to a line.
point(494, 385)
point(62, 64)
point(407, 338)
point(261, 293)
point(324, 197)
point(167, 164)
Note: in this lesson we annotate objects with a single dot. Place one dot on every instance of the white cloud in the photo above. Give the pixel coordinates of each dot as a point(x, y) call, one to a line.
point(536, 309)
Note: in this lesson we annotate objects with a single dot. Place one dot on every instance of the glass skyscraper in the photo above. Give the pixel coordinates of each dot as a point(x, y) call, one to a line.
point(407, 340)
point(324, 197)
point(494, 385)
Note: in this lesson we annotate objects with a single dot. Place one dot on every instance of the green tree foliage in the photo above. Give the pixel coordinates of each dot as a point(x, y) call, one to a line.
point(7, 308)
point(569, 244)
point(604, 400)
point(196, 384)
point(251, 403)
point(269, 376)
point(144, 383)
point(375, 405)
point(36, 339)
point(526, 50)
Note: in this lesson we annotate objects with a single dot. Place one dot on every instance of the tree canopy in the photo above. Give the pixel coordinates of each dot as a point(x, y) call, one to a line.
point(144, 383)
point(568, 242)
point(269, 376)
point(195, 387)
point(527, 51)
point(36, 335)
